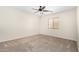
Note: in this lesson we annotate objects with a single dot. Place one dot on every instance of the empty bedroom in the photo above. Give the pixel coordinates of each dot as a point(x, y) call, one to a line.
point(39, 29)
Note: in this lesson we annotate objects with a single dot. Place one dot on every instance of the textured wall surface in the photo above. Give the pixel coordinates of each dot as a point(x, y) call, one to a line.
point(67, 27)
point(16, 24)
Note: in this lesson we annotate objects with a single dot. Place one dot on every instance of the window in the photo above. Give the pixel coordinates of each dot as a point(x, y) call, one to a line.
point(53, 23)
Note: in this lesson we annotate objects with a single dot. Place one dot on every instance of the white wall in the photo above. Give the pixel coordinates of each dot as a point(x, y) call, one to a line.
point(15, 24)
point(67, 28)
point(78, 27)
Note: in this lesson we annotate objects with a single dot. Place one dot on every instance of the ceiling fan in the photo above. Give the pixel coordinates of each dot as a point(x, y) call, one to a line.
point(41, 9)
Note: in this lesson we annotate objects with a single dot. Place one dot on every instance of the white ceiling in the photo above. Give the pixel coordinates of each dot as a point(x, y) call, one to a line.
point(55, 9)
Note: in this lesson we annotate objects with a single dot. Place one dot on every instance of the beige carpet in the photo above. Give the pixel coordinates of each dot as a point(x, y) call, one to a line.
point(39, 43)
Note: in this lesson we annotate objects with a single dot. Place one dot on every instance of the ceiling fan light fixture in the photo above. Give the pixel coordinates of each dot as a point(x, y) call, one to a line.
point(41, 10)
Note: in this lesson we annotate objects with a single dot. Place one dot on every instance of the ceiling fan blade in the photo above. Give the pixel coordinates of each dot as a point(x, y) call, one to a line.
point(47, 11)
point(43, 7)
point(34, 9)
